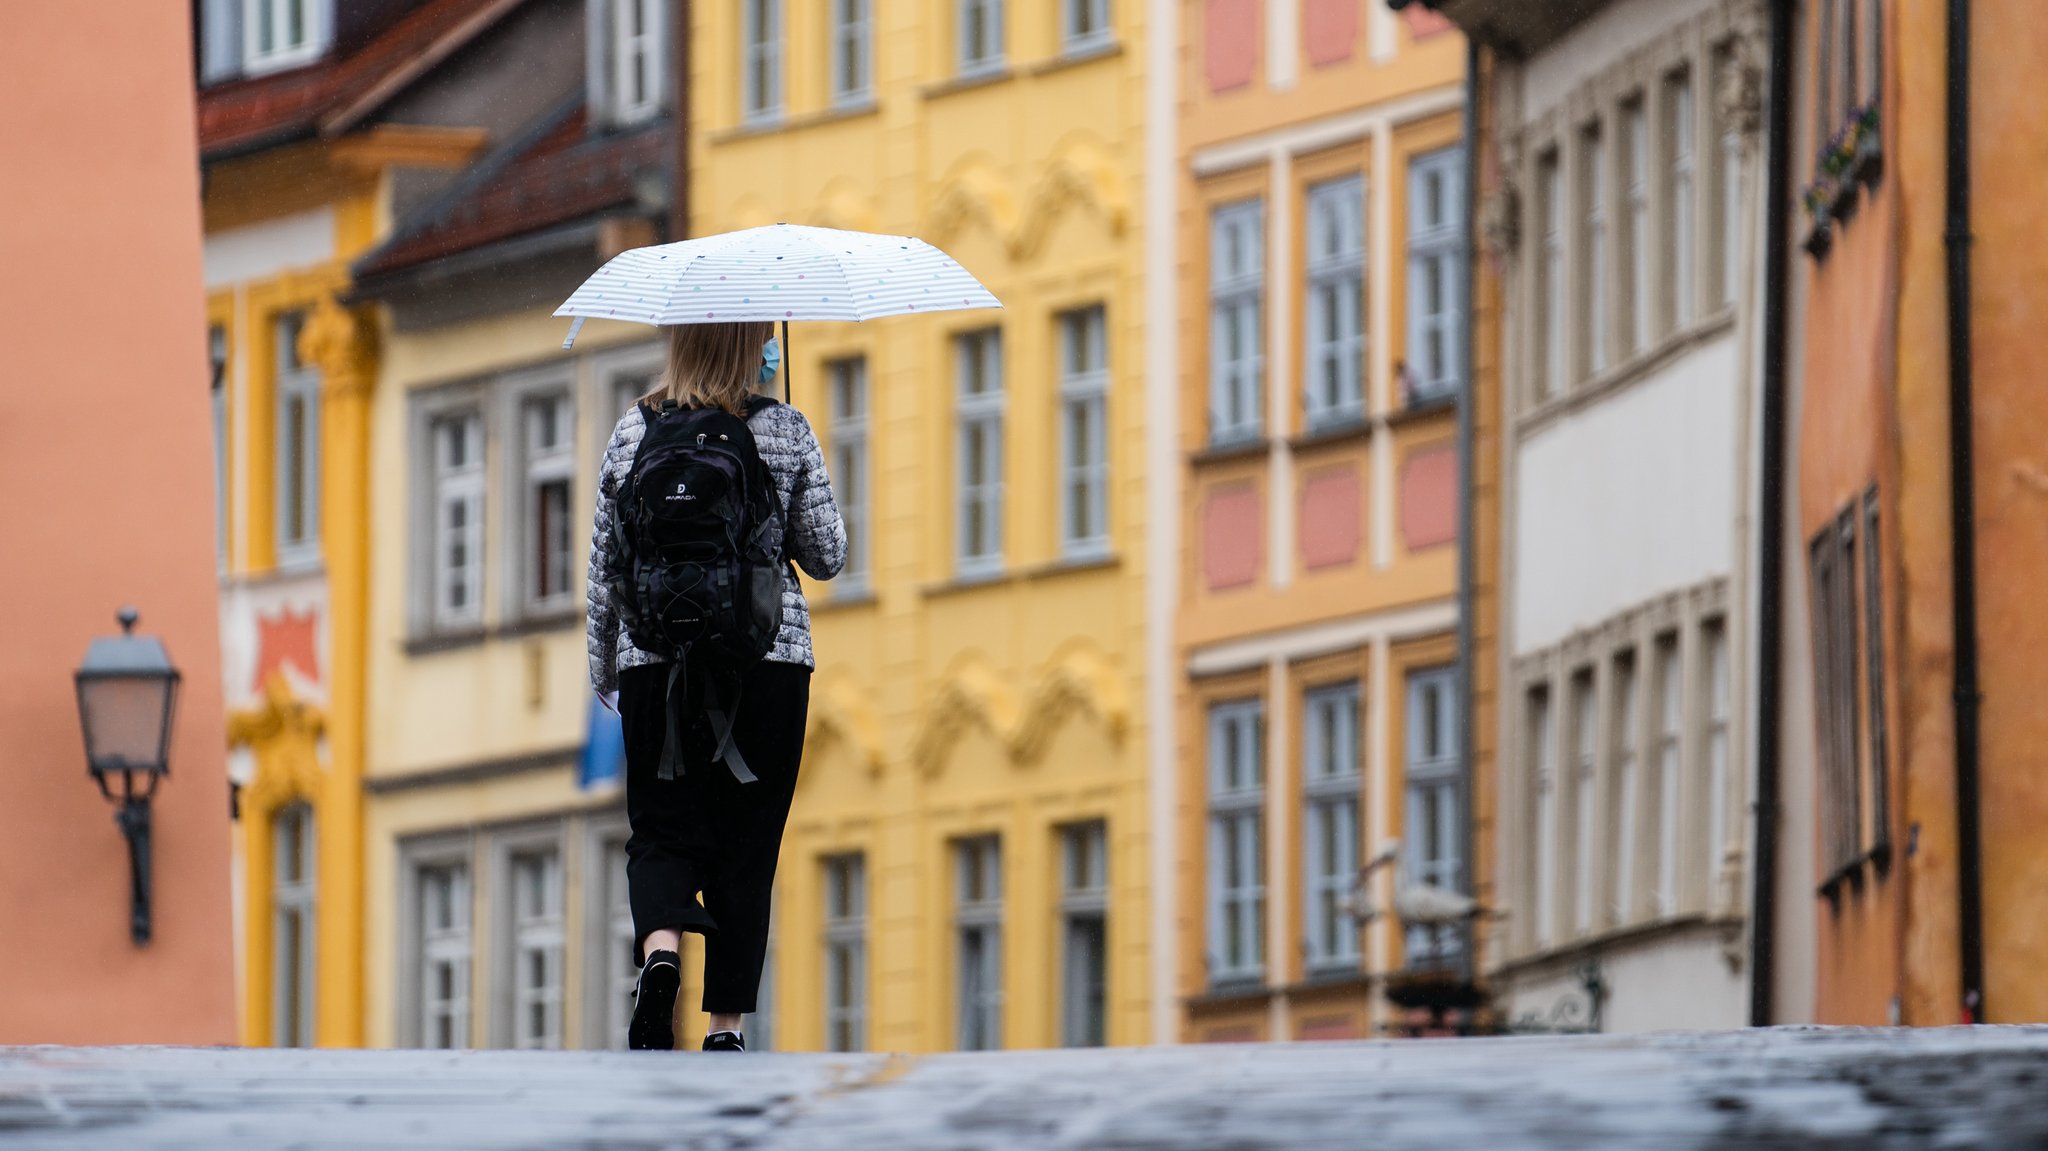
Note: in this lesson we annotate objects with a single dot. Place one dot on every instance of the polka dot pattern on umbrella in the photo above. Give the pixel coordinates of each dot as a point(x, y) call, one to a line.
point(740, 275)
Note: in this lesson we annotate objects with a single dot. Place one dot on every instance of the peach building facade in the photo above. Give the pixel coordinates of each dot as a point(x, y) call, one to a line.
point(1319, 261)
point(109, 502)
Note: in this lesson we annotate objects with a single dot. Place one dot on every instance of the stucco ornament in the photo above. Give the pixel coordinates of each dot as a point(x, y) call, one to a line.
point(1080, 681)
point(285, 733)
point(1739, 97)
point(973, 697)
point(342, 342)
point(842, 714)
point(1500, 209)
point(973, 196)
point(1078, 172)
point(844, 205)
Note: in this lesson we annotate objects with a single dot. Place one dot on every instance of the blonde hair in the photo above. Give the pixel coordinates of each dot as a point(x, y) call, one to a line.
point(712, 365)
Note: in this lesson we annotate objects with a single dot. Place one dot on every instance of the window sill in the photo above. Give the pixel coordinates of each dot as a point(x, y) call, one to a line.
point(1230, 450)
point(960, 585)
point(1332, 978)
point(1628, 373)
point(1417, 410)
point(847, 599)
point(967, 82)
point(770, 126)
point(1077, 56)
point(454, 639)
point(1334, 433)
point(434, 642)
point(1231, 992)
point(1613, 938)
point(1075, 565)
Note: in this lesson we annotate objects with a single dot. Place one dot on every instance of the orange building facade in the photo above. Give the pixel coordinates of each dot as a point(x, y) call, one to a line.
point(1319, 251)
point(109, 502)
point(1882, 654)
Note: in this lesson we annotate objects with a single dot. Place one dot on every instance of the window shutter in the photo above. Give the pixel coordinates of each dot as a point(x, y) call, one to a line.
point(220, 40)
point(597, 62)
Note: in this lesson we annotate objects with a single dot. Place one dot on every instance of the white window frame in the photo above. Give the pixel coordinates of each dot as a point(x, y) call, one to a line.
point(1237, 807)
point(1332, 816)
point(538, 468)
point(645, 44)
point(1585, 734)
point(1436, 259)
point(1333, 360)
point(1084, 26)
point(978, 924)
point(297, 491)
point(978, 358)
point(761, 51)
point(443, 946)
point(1681, 204)
point(316, 20)
point(1636, 291)
point(853, 52)
point(1084, 934)
point(1553, 298)
point(1625, 787)
point(1237, 307)
point(850, 465)
point(1715, 716)
point(1084, 433)
point(1434, 790)
point(989, 55)
point(451, 484)
point(1595, 297)
point(527, 932)
point(846, 951)
point(295, 887)
point(1667, 731)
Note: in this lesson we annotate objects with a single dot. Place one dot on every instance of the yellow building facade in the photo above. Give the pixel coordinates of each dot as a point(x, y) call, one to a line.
point(968, 860)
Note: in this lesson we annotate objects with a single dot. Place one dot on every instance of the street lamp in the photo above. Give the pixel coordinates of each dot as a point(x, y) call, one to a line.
point(127, 689)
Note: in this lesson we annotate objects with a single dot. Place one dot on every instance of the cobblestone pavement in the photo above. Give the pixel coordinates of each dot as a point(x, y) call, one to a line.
point(1784, 1088)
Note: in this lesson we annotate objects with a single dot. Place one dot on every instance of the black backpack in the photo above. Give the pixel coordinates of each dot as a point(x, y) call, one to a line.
point(700, 565)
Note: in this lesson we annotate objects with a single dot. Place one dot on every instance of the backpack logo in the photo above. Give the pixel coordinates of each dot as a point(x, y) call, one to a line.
point(682, 493)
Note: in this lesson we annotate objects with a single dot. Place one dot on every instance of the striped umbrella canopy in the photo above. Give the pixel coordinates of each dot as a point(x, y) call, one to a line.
point(779, 272)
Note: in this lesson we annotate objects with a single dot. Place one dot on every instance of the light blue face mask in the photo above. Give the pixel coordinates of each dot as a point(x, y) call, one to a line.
point(771, 361)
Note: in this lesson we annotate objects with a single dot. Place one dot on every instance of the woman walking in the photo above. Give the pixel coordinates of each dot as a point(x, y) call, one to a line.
point(708, 787)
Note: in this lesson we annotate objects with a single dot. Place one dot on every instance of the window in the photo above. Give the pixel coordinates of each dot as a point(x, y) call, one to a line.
point(1714, 661)
point(1237, 852)
point(548, 442)
point(1669, 783)
point(1084, 434)
point(620, 970)
point(1579, 808)
point(217, 353)
point(1336, 303)
point(981, 36)
point(1626, 789)
point(980, 527)
point(279, 34)
point(1594, 298)
point(1824, 72)
point(458, 519)
point(1433, 837)
point(978, 917)
point(847, 380)
point(1872, 46)
point(1084, 24)
point(536, 948)
point(1635, 222)
point(442, 895)
point(1680, 205)
point(846, 952)
point(638, 58)
point(1330, 789)
point(1550, 293)
point(294, 867)
point(1852, 781)
point(298, 449)
point(853, 48)
point(1543, 786)
point(1237, 261)
point(1436, 274)
point(761, 60)
point(1084, 934)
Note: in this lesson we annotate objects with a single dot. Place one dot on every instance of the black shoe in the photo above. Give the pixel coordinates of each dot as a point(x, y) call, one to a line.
point(725, 1041)
point(654, 1004)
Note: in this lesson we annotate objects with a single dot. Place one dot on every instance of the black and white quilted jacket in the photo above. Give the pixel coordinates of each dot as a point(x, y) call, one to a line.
point(816, 539)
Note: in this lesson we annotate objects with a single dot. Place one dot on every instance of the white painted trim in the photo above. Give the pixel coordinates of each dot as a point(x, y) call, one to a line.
point(1279, 359)
point(1379, 791)
point(1395, 624)
point(1382, 33)
point(260, 251)
point(1281, 874)
point(1163, 502)
point(238, 431)
point(1283, 44)
point(1328, 132)
point(1384, 255)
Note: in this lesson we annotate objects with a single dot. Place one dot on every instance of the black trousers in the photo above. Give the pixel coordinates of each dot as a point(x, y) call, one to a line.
point(706, 832)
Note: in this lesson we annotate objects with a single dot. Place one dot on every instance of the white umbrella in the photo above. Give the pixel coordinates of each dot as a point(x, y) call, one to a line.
point(780, 272)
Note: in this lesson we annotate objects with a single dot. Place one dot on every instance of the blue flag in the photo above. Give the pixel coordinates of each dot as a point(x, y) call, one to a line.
point(603, 762)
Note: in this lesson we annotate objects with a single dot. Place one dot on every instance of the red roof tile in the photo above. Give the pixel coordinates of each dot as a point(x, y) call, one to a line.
point(252, 112)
